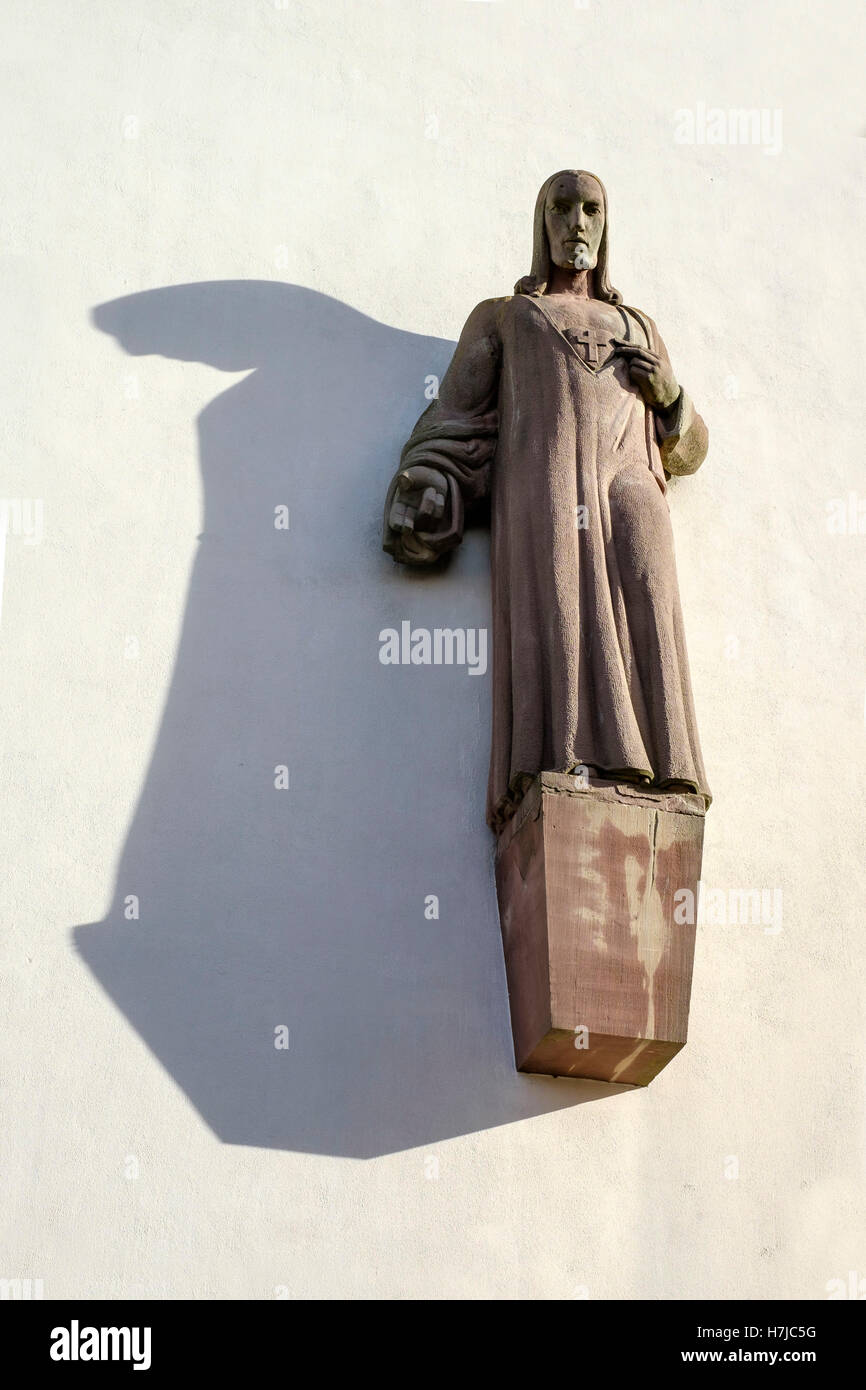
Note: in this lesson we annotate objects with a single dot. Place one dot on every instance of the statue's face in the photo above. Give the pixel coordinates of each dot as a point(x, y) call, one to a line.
point(574, 220)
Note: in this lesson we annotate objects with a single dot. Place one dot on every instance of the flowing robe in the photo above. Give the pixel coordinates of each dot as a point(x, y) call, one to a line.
point(589, 657)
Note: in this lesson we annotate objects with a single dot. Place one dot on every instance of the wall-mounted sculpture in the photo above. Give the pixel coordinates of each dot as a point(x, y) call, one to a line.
point(561, 406)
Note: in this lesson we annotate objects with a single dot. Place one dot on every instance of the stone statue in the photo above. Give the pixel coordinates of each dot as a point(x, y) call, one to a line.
point(561, 406)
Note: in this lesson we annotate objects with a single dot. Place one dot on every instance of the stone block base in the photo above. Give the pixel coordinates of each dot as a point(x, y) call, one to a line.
point(599, 973)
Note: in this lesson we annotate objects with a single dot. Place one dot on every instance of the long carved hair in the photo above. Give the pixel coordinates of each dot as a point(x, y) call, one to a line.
point(536, 281)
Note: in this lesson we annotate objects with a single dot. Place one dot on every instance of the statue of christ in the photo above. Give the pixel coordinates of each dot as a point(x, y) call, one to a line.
point(561, 406)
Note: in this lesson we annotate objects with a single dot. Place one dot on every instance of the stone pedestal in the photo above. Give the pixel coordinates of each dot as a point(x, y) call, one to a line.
point(586, 880)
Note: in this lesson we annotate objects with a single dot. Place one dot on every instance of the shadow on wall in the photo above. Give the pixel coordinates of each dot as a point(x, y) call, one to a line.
point(305, 908)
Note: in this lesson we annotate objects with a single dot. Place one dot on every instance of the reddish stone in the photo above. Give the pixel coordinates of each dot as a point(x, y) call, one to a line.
point(586, 883)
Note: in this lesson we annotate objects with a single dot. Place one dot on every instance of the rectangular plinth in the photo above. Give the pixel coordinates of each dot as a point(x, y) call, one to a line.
point(599, 971)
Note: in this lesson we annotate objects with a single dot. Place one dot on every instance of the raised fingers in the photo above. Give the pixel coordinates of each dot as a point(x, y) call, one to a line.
point(402, 514)
point(635, 354)
point(431, 506)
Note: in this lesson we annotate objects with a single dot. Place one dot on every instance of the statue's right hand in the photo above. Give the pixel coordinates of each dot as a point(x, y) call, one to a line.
point(419, 499)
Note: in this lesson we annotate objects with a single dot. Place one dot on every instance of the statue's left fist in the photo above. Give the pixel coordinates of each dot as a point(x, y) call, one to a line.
point(651, 375)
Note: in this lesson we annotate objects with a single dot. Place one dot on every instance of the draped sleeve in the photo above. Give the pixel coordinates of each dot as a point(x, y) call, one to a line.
point(680, 433)
point(456, 435)
point(682, 437)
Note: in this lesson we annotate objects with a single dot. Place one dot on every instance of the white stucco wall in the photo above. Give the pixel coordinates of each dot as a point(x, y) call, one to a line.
point(163, 649)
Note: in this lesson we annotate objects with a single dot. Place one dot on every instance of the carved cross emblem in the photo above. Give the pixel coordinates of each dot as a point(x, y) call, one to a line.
point(591, 344)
